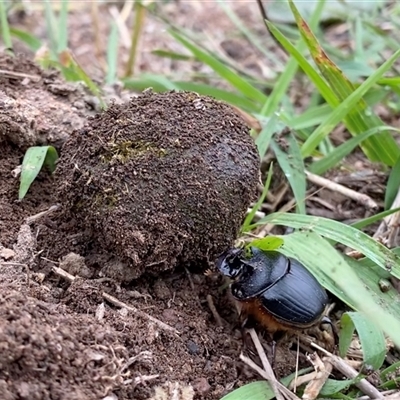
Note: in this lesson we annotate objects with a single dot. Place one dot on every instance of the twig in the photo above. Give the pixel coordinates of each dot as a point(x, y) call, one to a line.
point(323, 370)
point(345, 191)
point(70, 278)
point(21, 75)
point(214, 311)
point(277, 387)
point(264, 375)
point(34, 218)
point(351, 373)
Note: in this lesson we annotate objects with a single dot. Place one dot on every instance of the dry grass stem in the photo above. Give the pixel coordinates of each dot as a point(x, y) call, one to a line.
point(111, 299)
point(323, 370)
point(336, 187)
point(351, 373)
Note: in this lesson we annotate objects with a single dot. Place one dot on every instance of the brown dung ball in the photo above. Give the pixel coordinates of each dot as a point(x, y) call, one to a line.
point(161, 181)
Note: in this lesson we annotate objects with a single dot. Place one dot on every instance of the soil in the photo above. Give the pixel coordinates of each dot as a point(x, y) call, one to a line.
point(63, 339)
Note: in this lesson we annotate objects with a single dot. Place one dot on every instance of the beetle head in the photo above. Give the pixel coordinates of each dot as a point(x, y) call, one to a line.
point(230, 263)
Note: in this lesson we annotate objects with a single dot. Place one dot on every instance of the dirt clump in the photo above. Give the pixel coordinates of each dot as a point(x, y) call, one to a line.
point(160, 181)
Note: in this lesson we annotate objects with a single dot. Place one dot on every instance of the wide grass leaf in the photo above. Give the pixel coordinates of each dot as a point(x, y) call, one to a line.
point(341, 233)
point(35, 158)
point(372, 340)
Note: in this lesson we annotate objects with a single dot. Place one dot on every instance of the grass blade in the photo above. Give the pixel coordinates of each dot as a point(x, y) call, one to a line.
point(289, 158)
point(260, 201)
point(393, 185)
point(226, 73)
point(360, 118)
point(31, 41)
point(63, 27)
point(5, 28)
point(340, 233)
point(382, 153)
point(371, 338)
point(35, 158)
point(112, 55)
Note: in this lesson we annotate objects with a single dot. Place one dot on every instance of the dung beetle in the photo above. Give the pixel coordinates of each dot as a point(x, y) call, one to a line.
point(277, 291)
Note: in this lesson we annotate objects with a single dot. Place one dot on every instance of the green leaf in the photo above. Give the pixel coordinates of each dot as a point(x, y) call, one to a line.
point(267, 243)
point(371, 337)
point(289, 158)
point(260, 390)
point(260, 201)
point(221, 69)
point(393, 185)
point(341, 233)
point(30, 40)
point(333, 386)
point(34, 159)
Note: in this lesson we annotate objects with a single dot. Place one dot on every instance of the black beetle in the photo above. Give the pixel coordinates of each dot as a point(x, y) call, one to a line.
point(277, 291)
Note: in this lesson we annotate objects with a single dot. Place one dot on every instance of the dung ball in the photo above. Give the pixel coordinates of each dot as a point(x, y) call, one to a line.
point(160, 181)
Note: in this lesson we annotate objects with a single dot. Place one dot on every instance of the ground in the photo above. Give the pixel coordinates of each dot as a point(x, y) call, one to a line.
point(62, 338)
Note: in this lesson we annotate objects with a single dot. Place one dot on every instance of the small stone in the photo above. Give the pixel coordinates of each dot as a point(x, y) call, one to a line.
point(192, 347)
point(7, 254)
point(201, 386)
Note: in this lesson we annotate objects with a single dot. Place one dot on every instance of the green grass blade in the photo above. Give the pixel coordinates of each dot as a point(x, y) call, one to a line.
point(260, 201)
point(263, 139)
point(112, 55)
point(393, 185)
point(360, 118)
point(341, 233)
point(51, 28)
point(5, 28)
point(63, 27)
point(226, 73)
point(374, 218)
point(282, 85)
point(371, 338)
point(289, 158)
point(35, 158)
point(387, 155)
point(339, 153)
point(171, 55)
point(31, 41)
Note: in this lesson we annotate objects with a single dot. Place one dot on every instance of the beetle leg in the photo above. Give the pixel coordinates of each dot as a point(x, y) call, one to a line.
point(326, 320)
